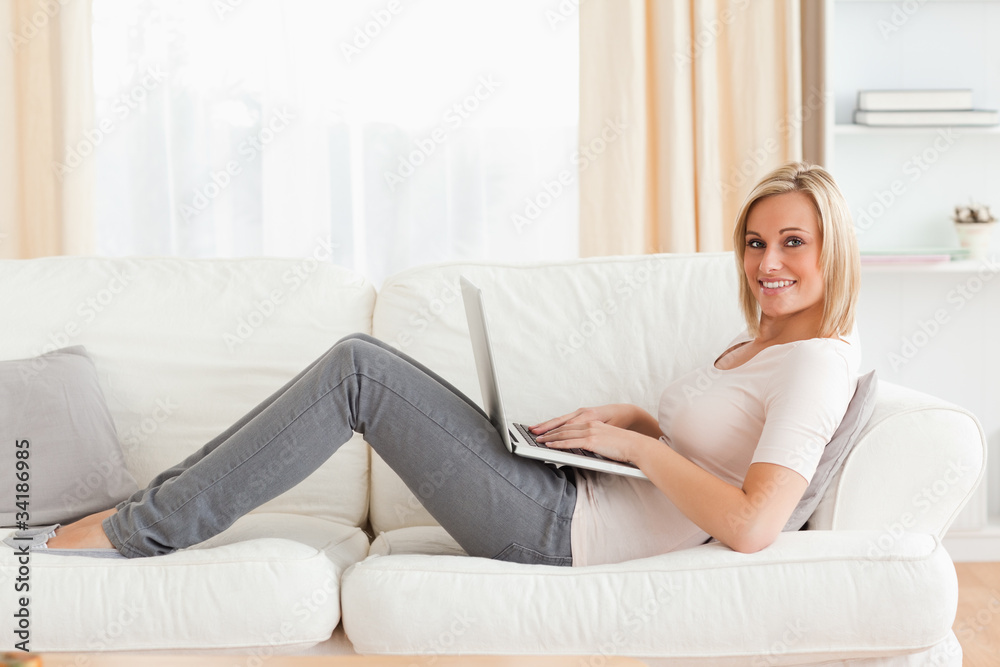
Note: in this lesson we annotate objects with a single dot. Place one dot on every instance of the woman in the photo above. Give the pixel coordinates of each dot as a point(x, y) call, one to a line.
point(729, 461)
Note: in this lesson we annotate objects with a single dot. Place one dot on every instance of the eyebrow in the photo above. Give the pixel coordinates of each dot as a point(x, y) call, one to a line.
point(786, 229)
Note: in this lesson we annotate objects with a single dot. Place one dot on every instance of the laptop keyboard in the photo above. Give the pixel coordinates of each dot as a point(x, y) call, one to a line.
point(530, 437)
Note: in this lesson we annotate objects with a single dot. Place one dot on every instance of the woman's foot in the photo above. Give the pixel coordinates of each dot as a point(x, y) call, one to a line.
point(86, 533)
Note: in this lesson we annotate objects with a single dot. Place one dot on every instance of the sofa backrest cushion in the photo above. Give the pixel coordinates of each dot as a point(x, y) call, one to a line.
point(565, 335)
point(184, 348)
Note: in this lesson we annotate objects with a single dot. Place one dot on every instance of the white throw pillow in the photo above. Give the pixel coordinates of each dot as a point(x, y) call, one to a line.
point(859, 411)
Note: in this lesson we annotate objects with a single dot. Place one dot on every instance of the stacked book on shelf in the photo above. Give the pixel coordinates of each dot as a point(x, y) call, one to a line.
point(921, 107)
point(913, 255)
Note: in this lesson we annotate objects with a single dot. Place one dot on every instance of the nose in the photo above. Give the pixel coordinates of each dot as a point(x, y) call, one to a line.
point(771, 261)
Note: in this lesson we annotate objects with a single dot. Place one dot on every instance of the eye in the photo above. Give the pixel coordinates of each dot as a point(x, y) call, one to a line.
point(755, 243)
point(794, 241)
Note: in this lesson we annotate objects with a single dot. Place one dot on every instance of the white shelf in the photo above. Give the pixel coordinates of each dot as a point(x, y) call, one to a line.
point(854, 128)
point(970, 266)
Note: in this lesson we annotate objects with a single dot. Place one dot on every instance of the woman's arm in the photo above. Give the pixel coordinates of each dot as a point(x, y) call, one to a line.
point(644, 423)
point(744, 519)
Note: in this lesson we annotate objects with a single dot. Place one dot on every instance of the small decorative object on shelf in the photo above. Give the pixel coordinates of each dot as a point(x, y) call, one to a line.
point(974, 224)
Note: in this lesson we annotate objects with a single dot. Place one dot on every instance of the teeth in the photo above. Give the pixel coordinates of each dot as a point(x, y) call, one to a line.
point(780, 283)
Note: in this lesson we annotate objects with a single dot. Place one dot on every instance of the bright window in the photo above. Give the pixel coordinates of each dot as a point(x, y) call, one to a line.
point(391, 133)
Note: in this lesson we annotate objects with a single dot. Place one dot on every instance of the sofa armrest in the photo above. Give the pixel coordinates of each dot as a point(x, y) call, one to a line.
point(917, 463)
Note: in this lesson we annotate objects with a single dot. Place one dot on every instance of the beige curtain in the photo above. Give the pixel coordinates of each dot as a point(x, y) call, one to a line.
point(706, 96)
point(46, 107)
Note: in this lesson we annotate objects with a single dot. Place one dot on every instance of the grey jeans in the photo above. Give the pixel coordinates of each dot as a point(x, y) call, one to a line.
point(494, 504)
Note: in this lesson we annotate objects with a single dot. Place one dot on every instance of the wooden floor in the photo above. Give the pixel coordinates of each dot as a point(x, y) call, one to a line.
point(977, 624)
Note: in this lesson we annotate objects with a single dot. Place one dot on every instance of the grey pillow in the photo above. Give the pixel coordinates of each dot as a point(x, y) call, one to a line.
point(73, 464)
point(859, 411)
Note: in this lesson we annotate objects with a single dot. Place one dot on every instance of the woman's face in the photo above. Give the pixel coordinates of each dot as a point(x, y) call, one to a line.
point(781, 258)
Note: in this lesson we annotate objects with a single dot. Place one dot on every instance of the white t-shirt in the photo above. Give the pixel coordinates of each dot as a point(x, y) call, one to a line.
point(716, 418)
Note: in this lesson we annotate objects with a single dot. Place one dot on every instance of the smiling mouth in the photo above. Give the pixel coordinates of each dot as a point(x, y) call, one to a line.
point(775, 286)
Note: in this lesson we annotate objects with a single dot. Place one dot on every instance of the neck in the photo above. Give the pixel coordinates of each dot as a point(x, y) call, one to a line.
point(800, 326)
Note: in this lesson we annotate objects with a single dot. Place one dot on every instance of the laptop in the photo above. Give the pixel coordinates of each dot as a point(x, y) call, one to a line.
point(516, 437)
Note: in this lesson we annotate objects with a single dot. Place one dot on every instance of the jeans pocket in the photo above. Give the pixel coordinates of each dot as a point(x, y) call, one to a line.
point(517, 553)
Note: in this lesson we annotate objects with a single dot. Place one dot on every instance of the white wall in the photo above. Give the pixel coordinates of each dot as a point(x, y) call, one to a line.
point(934, 330)
point(938, 331)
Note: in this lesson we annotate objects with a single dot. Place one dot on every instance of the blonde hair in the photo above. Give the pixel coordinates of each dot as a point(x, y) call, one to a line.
point(840, 261)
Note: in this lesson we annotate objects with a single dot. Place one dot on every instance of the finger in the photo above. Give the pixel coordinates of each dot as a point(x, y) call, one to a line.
point(569, 443)
point(555, 422)
point(560, 443)
point(564, 432)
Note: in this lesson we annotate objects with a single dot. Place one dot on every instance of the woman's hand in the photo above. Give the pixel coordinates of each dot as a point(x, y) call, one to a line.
point(602, 430)
point(622, 415)
point(600, 437)
point(616, 414)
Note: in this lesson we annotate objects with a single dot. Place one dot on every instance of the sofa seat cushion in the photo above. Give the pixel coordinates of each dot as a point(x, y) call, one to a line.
point(431, 540)
point(810, 594)
point(270, 579)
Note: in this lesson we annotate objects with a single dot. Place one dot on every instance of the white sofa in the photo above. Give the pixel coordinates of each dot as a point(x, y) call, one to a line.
point(185, 347)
